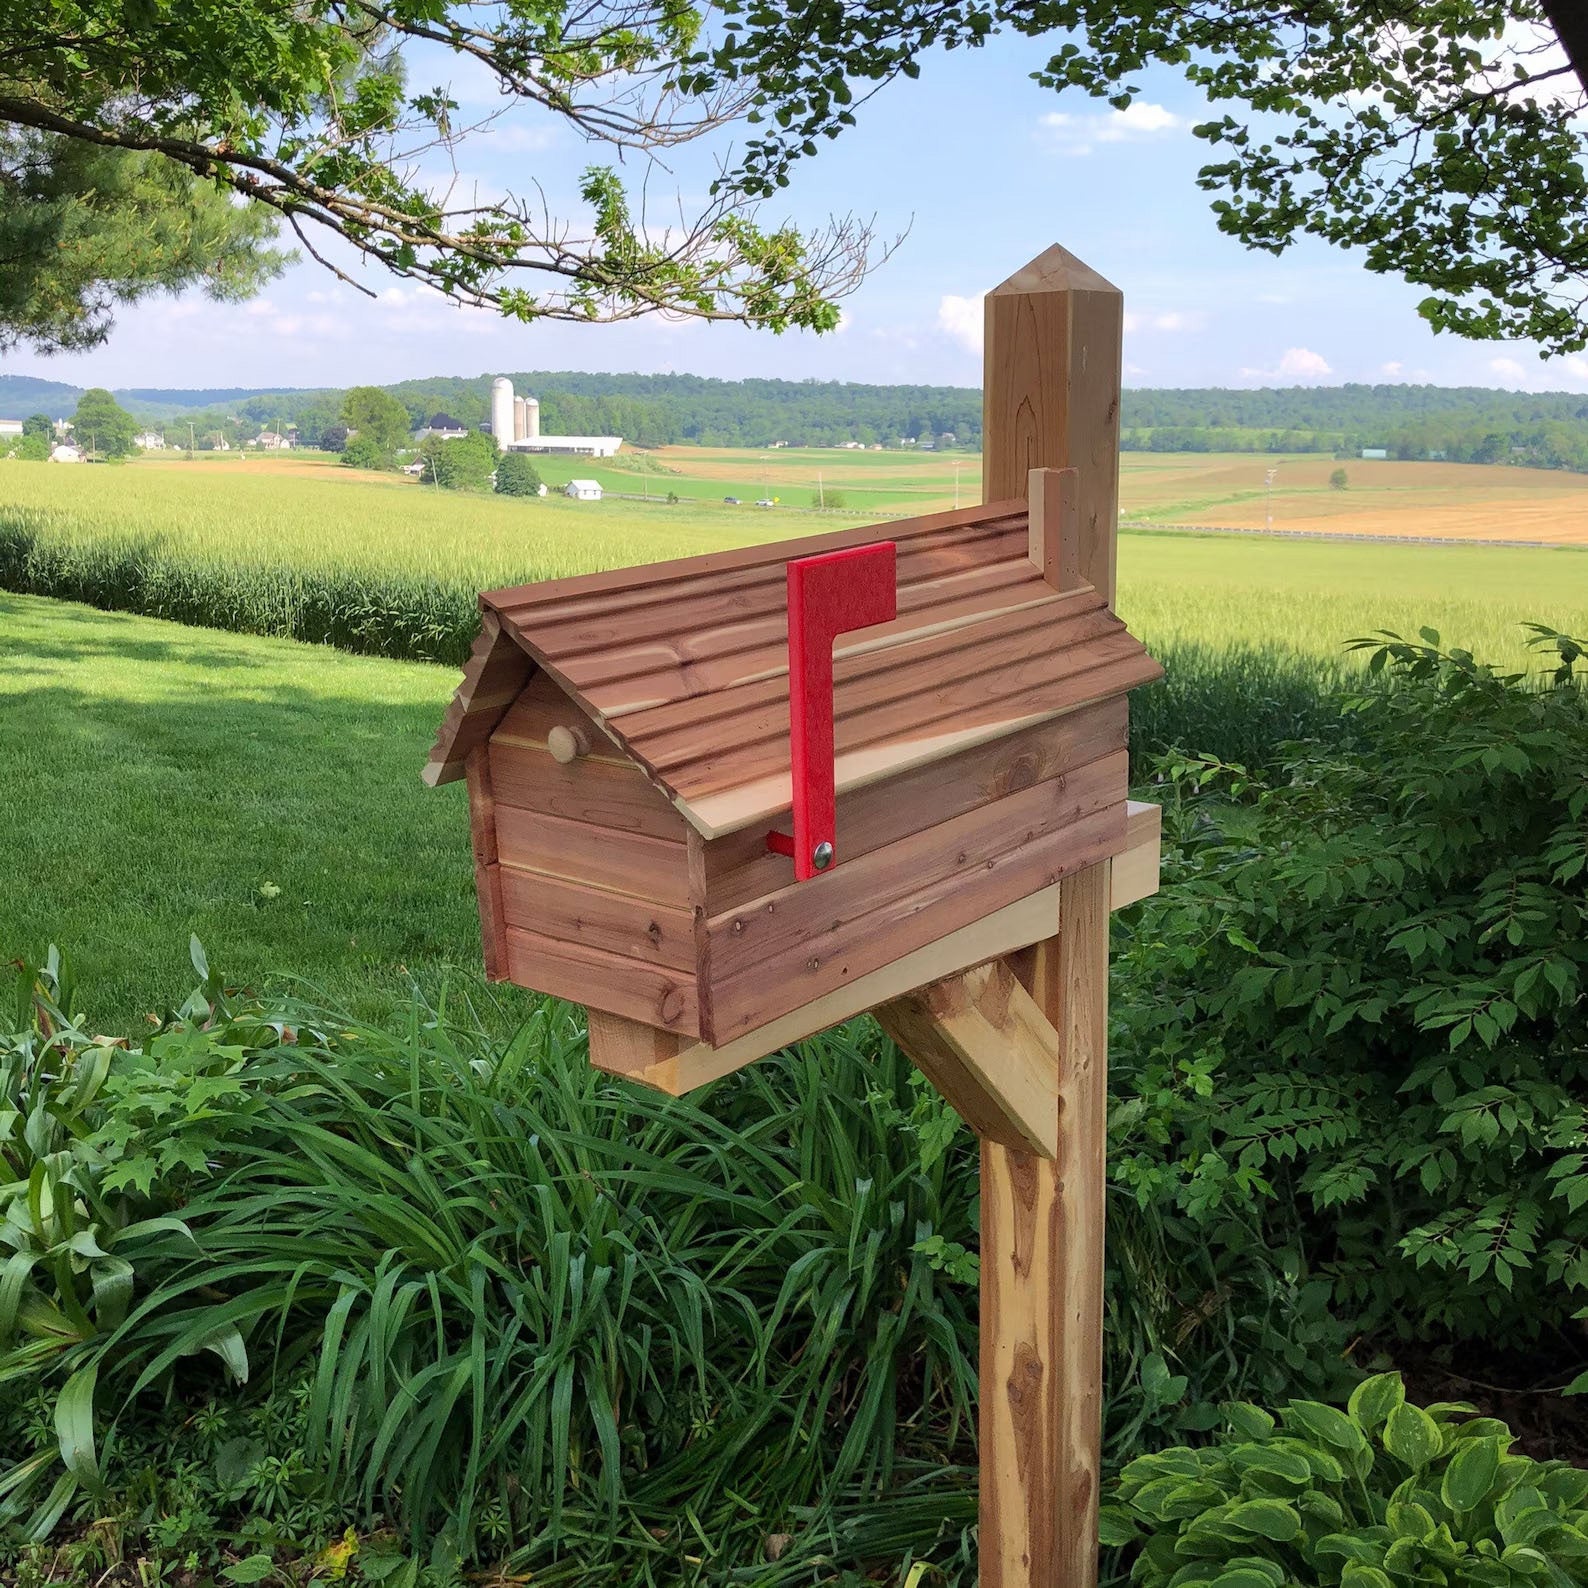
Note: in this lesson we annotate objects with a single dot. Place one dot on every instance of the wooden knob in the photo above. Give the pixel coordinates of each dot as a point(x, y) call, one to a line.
point(567, 744)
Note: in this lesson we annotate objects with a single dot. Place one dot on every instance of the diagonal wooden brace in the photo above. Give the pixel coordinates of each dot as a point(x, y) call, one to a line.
point(981, 1040)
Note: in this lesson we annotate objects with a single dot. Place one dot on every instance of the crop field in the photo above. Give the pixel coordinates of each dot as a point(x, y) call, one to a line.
point(303, 547)
point(1458, 501)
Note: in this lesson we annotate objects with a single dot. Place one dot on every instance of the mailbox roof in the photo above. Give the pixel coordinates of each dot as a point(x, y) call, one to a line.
point(685, 663)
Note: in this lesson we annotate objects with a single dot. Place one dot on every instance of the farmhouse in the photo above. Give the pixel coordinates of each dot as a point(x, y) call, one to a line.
point(627, 741)
point(65, 452)
point(442, 427)
point(149, 441)
point(583, 490)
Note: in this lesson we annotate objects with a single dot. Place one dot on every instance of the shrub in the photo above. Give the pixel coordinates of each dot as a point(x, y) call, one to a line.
point(1378, 958)
point(1384, 1492)
point(461, 465)
point(365, 452)
point(490, 1295)
point(1339, 480)
point(517, 476)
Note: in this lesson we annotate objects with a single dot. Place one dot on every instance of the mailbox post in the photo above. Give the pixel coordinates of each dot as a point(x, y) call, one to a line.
point(939, 706)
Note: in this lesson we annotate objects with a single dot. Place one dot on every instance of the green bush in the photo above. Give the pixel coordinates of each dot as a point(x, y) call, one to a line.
point(1376, 960)
point(366, 452)
point(505, 1304)
point(517, 476)
point(465, 464)
point(1382, 1493)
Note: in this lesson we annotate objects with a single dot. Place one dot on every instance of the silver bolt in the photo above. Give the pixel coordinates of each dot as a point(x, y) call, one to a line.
point(823, 857)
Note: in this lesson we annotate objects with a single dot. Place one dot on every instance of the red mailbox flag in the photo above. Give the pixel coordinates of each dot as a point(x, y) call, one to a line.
point(828, 595)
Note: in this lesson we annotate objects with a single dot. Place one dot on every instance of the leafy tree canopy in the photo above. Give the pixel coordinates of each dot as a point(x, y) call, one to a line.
point(306, 112)
point(38, 425)
point(85, 228)
point(102, 425)
point(377, 416)
point(1436, 136)
point(461, 465)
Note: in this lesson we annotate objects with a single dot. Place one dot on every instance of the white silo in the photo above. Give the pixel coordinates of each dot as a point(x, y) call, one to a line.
point(532, 419)
point(502, 411)
point(518, 419)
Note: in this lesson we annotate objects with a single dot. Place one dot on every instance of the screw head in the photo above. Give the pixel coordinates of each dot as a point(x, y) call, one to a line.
point(823, 856)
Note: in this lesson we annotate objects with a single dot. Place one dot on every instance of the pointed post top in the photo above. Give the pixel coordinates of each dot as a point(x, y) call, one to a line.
point(1051, 398)
point(1055, 269)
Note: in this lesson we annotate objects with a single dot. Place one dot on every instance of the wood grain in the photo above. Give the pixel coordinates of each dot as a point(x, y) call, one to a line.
point(1051, 392)
point(1051, 400)
point(1135, 870)
point(738, 867)
point(578, 912)
point(599, 792)
point(1013, 927)
point(651, 994)
point(774, 954)
point(981, 1040)
point(604, 857)
point(1054, 540)
point(497, 669)
point(487, 881)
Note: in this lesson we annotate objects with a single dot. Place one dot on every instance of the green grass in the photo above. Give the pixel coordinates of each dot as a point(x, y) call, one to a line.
point(159, 780)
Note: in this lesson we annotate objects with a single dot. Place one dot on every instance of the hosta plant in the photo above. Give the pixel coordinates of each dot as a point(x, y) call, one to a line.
point(1380, 1494)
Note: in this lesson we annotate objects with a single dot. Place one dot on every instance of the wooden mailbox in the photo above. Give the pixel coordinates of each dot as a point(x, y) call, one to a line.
point(648, 843)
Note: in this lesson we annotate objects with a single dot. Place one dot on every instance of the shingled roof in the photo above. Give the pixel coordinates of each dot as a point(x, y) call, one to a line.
point(685, 663)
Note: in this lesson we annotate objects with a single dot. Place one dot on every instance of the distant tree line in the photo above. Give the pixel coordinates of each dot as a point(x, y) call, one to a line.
point(1457, 424)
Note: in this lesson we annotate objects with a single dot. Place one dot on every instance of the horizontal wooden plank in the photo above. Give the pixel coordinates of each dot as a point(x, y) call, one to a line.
point(603, 793)
point(576, 912)
point(773, 954)
point(651, 994)
point(1008, 930)
point(1135, 872)
point(686, 576)
point(622, 862)
point(685, 666)
point(736, 617)
point(739, 867)
point(979, 718)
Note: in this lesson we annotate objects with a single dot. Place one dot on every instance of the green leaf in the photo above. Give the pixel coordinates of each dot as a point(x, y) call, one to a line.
point(74, 1427)
point(1357, 1575)
point(1374, 1399)
point(1327, 1423)
point(251, 1569)
point(1116, 1527)
point(1246, 1420)
point(1412, 1436)
point(1470, 1474)
point(1271, 1519)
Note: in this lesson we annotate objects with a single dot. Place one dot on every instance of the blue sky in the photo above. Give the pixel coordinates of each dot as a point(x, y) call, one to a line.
point(976, 164)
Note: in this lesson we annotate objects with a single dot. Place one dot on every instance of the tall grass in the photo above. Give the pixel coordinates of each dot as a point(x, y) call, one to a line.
point(596, 1334)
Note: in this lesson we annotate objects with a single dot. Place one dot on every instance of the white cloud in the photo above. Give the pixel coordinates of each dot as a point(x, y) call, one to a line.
point(961, 319)
point(1392, 369)
point(1577, 368)
point(1509, 368)
point(1068, 134)
point(1297, 364)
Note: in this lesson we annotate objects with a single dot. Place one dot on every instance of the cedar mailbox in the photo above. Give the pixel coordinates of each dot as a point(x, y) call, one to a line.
point(730, 801)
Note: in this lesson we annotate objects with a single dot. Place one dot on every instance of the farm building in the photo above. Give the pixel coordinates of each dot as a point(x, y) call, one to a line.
point(65, 452)
point(515, 427)
point(10, 428)
point(149, 441)
point(583, 490)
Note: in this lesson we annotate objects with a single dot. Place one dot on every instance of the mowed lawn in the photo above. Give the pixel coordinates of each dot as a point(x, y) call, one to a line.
point(157, 780)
